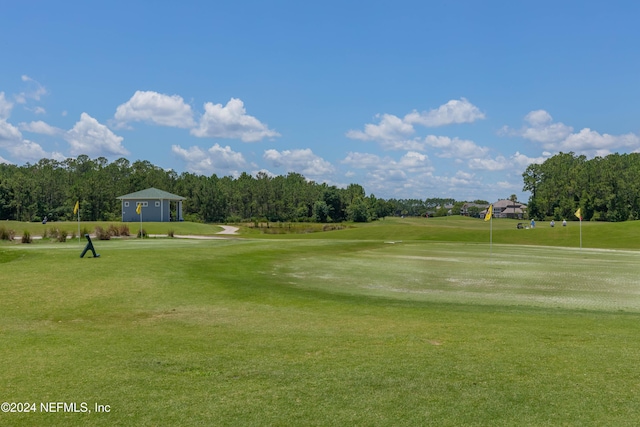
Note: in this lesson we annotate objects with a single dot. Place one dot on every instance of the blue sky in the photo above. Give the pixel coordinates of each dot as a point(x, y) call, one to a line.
point(410, 99)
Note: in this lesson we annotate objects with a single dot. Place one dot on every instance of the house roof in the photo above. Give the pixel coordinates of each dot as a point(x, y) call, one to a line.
point(150, 193)
point(508, 204)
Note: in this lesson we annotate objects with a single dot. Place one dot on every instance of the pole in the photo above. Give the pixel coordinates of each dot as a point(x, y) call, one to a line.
point(491, 236)
point(78, 226)
point(580, 233)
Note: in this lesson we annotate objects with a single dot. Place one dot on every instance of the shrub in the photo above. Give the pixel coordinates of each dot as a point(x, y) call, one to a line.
point(45, 233)
point(62, 236)
point(142, 233)
point(7, 234)
point(102, 234)
point(26, 237)
point(124, 230)
point(170, 233)
point(113, 230)
point(53, 233)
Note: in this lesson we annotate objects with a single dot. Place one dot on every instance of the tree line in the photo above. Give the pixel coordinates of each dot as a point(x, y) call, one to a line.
point(603, 188)
point(51, 188)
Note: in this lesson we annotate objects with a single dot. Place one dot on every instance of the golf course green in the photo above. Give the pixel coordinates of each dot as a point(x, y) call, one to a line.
point(400, 322)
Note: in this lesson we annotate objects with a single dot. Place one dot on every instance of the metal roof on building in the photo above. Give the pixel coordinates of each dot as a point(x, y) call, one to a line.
point(151, 193)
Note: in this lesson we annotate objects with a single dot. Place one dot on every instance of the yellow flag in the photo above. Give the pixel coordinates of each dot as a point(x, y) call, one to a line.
point(487, 217)
point(76, 207)
point(579, 214)
point(139, 208)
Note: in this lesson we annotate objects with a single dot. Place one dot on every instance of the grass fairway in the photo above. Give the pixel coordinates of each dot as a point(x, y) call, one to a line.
point(337, 328)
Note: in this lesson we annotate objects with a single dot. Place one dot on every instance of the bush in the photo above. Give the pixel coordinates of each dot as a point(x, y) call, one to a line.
point(170, 233)
point(45, 233)
point(62, 236)
point(102, 234)
point(124, 230)
point(53, 233)
point(113, 230)
point(26, 237)
point(7, 234)
point(142, 233)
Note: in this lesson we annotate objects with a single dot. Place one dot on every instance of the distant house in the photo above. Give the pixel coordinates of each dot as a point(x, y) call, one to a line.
point(156, 206)
point(466, 210)
point(508, 209)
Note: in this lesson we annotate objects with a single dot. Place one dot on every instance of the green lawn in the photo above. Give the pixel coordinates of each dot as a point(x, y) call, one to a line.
point(400, 322)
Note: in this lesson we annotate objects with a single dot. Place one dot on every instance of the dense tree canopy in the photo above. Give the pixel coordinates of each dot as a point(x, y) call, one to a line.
point(604, 188)
point(51, 188)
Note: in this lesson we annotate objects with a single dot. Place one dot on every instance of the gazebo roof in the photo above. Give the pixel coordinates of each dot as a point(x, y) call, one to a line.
point(150, 193)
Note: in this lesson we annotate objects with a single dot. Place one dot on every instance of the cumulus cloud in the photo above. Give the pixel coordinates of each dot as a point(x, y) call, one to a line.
point(556, 136)
point(216, 159)
point(390, 128)
point(156, 108)
point(455, 147)
point(395, 133)
point(518, 162)
point(390, 175)
point(488, 164)
point(5, 107)
point(92, 138)
point(40, 127)
point(302, 161)
point(5, 161)
point(9, 134)
point(231, 121)
point(454, 111)
point(27, 150)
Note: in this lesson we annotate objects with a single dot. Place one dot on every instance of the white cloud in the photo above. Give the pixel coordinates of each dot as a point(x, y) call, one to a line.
point(488, 164)
point(92, 138)
point(454, 111)
point(518, 162)
point(556, 136)
point(40, 127)
point(393, 177)
point(390, 128)
point(302, 161)
point(394, 133)
point(217, 159)
point(35, 91)
point(455, 147)
point(5, 107)
point(5, 161)
point(362, 160)
point(9, 134)
point(231, 121)
point(156, 108)
point(27, 150)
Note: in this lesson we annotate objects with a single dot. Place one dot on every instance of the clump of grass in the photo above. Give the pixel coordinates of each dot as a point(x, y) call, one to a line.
point(45, 233)
point(62, 236)
point(26, 237)
point(102, 234)
point(53, 233)
point(113, 230)
point(7, 234)
point(124, 230)
point(142, 233)
point(170, 233)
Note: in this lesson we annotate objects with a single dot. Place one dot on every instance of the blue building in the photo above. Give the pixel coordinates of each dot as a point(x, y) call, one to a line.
point(156, 206)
